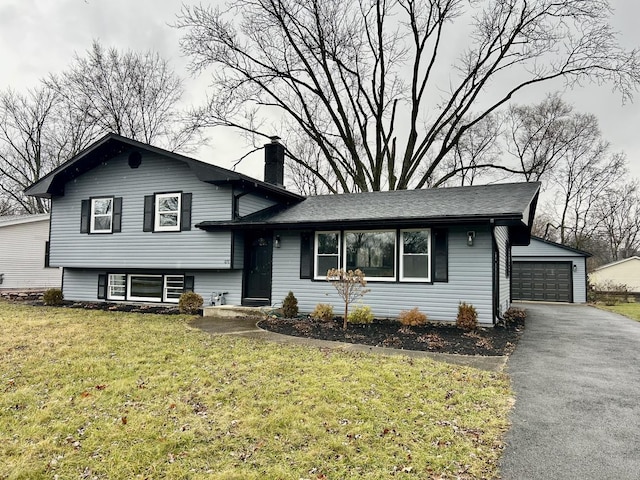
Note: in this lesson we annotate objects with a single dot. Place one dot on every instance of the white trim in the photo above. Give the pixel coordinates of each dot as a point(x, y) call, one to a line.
point(316, 274)
point(394, 232)
point(156, 221)
point(428, 255)
point(94, 215)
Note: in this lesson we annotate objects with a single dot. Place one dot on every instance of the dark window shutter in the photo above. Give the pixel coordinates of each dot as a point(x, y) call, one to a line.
point(185, 213)
point(102, 286)
point(85, 214)
point(188, 283)
point(149, 204)
point(306, 255)
point(47, 253)
point(440, 255)
point(117, 215)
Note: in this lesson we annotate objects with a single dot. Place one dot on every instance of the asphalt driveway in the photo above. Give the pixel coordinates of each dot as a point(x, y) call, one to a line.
point(576, 377)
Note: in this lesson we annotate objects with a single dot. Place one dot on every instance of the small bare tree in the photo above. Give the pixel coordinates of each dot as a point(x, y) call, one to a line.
point(350, 285)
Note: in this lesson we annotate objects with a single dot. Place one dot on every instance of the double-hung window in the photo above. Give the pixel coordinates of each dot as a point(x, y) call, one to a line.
point(101, 215)
point(173, 287)
point(415, 248)
point(167, 212)
point(167, 217)
point(117, 286)
point(373, 252)
point(327, 254)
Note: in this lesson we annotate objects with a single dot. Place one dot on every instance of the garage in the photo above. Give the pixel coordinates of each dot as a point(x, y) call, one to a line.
point(543, 281)
point(549, 272)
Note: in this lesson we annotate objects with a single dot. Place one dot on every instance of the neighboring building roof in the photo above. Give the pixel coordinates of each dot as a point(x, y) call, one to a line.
point(602, 267)
point(18, 219)
point(510, 204)
point(111, 144)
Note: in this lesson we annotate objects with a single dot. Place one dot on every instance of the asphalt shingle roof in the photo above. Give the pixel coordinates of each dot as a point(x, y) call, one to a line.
point(509, 200)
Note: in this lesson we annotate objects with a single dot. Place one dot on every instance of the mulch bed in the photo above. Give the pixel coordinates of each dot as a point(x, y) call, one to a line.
point(433, 337)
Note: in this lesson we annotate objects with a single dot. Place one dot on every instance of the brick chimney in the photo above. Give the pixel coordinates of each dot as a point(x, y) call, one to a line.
point(274, 162)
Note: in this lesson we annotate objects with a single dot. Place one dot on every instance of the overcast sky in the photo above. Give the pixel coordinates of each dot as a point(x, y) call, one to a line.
point(38, 37)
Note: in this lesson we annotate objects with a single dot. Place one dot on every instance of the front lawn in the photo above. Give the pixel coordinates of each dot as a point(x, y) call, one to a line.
point(631, 310)
point(92, 394)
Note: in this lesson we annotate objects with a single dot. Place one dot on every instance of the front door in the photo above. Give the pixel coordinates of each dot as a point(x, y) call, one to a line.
point(258, 256)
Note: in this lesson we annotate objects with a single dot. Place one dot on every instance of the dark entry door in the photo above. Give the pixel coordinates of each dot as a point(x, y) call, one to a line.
point(258, 258)
point(546, 281)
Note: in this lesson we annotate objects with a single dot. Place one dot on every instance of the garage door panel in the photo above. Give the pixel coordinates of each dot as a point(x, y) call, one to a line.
point(542, 281)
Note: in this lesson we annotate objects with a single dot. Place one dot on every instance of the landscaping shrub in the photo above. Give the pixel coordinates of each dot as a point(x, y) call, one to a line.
point(513, 316)
point(53, 297)
point(323, 311)
point(190, 303)
point(290, 306)
point(412, 318)
point(467, 318)
point(361, 314)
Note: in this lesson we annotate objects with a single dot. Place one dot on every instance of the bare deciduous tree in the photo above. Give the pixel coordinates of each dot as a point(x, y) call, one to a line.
point(129, 93)
point(376, 85)
point(618, 215)
point(132, 94)
point(26, 128)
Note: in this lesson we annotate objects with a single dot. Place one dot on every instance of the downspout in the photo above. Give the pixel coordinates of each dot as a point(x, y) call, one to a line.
point(495, 288)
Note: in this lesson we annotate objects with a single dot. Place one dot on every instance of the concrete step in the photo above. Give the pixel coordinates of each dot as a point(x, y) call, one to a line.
point(234, 311)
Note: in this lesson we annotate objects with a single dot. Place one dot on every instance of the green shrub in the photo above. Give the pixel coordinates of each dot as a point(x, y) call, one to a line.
point(323, 311)
point(53, 297)
point(290, 306)
point(190, 303)
point(361, 314)
point(467, 318)
point(513, 316)
point(412, 318)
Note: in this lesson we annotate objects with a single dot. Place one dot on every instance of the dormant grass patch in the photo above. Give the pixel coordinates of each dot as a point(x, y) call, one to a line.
point(91, 394)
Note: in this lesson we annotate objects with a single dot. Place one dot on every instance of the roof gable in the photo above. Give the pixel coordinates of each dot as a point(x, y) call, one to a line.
point(20, 219)
point(111, 145)
point(558, 246)
point(618, 262)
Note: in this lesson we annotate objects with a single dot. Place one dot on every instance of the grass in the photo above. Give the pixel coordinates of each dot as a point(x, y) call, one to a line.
point(631, 310)
point(90, 394)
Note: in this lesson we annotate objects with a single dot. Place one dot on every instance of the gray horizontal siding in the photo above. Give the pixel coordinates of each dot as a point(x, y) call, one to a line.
point(470, 280)
point(133, 248)
point(538, 251)
point(252, 203)
point(82, 284)
point(543, 249)
point(22, 250)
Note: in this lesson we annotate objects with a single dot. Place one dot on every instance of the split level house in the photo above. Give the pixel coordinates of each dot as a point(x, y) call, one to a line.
point(134, 223)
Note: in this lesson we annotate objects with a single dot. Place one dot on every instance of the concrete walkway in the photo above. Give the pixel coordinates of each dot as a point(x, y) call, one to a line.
point(576, 377)
point(246, 327)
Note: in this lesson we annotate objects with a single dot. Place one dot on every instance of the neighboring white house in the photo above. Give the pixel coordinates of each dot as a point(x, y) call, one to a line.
point(623, 272)
point(23, 254)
